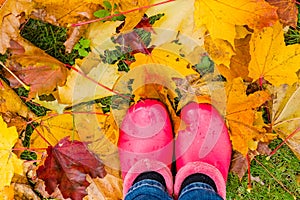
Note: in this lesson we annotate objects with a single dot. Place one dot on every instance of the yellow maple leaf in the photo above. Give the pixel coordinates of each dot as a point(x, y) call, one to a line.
point(53, 128)
point(10, 163)
point(240, 115)
point(221, 16)
point(271, 59)
point(286, 115)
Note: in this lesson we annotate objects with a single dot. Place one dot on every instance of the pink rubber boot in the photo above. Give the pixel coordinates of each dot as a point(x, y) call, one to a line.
point(146, 143)
point(203, 147)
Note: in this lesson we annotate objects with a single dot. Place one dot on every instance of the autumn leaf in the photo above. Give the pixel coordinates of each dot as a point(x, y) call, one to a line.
point(80, 89)
point(239, 62)
point(220, 17)
point(11, 102)
point(53, 127)
point(109, 187)
point(101, 42)
point(164, 57)
point(219, 50)
point(271, 59)
point(132, 18)
point(287, 11)
point(64, 13)
point(37, 69)
point(10, 163)
point(177, 17)
point(241, 116)
point(10, 17)
point(67, 165)
point(286, 115)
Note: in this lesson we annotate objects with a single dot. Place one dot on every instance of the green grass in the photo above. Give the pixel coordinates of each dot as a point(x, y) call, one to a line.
point(284, 166)
point(49, 38)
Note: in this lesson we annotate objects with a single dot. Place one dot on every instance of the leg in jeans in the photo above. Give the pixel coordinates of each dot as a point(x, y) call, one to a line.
point(147, 189)
point(202, 148)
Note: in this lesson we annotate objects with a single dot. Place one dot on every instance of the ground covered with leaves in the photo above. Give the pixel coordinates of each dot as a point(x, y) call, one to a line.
point(70, 70)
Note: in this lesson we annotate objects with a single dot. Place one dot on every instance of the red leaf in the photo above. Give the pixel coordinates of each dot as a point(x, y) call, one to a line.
point(67, 165)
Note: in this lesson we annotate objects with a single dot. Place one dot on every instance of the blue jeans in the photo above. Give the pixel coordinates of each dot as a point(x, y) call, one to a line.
point(154, 190)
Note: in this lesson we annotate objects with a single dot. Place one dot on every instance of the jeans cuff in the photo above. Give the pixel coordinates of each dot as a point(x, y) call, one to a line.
point(197, 186)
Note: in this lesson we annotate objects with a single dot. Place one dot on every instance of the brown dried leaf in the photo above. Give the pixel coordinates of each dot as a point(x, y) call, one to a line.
point(10, 16)
point(287, 11)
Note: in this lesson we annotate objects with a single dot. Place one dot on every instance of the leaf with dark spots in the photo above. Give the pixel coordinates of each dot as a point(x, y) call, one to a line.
point(67, 165)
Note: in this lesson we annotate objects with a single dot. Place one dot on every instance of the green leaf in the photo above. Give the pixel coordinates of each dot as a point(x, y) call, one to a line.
point(83, 52)
point(101, 13)
point(205, 66)
point(107, 5)
point(77, 46)
point(85, 43)
point(118, 18)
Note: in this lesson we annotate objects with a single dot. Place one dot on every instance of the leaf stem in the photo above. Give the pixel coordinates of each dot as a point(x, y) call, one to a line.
point(284, 141)
point(121, 13)
point(249, 173)
point(17, 78)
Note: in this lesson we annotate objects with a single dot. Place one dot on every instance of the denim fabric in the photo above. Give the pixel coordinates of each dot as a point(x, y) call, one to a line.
point(199, 191)
point(147, 189)
point(153, 190)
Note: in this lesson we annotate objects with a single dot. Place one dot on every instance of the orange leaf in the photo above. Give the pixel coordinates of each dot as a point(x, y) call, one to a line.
point(241, 116)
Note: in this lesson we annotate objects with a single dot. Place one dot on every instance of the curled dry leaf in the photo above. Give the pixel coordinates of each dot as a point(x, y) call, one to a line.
point(10, 20)
point(67, 165)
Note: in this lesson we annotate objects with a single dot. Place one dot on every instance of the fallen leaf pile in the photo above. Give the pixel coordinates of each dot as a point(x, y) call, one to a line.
point(231, 54)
